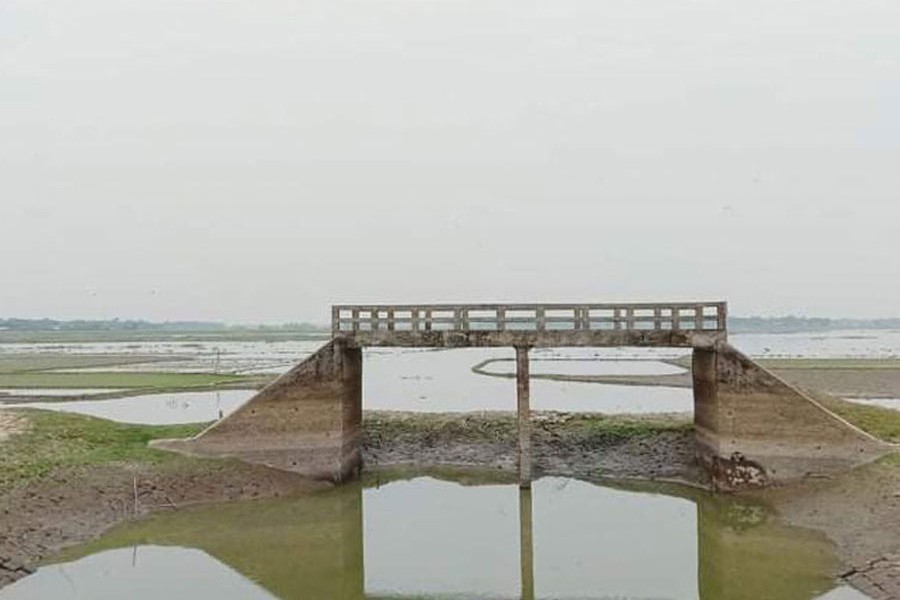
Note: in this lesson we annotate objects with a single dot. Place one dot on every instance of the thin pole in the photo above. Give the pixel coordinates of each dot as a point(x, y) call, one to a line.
point(524, 416)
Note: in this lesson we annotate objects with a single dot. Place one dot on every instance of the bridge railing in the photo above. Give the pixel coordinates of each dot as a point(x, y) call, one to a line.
point(694, 317)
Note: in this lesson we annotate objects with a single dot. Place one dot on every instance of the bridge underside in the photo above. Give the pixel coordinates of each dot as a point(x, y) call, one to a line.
point(752, 429)
point(537, 339)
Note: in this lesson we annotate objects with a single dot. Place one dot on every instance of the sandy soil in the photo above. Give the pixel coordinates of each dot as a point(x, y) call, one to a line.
point(851, 383)
point(860, 512)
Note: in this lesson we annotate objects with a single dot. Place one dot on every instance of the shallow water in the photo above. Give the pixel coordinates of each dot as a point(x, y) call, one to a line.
point(443, 381)
point(585, 367)
point(154, 409)
point(470, 538)
point(892, 403)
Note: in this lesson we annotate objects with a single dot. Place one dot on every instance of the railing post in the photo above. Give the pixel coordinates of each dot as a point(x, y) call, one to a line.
point(617, 318)
point(698, 317)
point(355, 319)
point(629, 318)
point(335, 321)
point(414, 317)
point(723, 316)
point(657, 319)
point(427, 320)
point(390, 317)
point(541, 318)
point(501, 319)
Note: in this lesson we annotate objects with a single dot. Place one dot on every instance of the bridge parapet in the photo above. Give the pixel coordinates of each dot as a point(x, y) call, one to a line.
point(644, 324)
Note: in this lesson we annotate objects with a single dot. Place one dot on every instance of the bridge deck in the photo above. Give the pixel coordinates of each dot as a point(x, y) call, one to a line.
point(696, 324)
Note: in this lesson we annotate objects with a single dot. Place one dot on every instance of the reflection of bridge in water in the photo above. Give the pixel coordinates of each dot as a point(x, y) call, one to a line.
point(400, 541)
point(751, 427)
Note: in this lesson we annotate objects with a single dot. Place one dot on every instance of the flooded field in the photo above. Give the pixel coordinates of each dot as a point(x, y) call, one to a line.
point(408, 379)
point(469, 536)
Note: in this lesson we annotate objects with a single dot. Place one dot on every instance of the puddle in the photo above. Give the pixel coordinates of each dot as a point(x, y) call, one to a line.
point(154, 409)
point(430, 538)
point(893, 403)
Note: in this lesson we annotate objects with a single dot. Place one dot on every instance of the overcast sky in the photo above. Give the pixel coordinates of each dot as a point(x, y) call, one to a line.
point(257, 161)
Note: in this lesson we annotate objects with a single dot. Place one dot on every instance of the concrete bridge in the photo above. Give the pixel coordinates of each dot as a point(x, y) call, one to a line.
point(751, 427)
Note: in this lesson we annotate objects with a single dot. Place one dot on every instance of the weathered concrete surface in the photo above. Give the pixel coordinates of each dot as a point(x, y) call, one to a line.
point(536, 339)
point(307, 421)
point(523, 408)
point(754, 429)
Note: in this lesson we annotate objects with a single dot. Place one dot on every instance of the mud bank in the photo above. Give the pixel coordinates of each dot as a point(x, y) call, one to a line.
point(67, 505)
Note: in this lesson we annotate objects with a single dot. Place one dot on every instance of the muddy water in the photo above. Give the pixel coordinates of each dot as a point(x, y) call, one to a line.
point(426, 537)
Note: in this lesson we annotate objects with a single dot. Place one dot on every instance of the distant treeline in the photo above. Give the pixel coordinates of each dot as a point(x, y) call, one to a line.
point(735, 324)
point(149, 326)
point(805, 324)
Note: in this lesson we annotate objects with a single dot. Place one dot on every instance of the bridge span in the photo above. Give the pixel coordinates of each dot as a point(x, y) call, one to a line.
point(751, 428)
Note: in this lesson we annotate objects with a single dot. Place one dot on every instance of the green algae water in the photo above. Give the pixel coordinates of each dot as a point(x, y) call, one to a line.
point(443, 536)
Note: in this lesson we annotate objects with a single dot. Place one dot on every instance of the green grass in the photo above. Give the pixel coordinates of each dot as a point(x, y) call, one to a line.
point(165, 381)
point(53, 440)
point(23, 363)
point(891, 460)
point(883, 423)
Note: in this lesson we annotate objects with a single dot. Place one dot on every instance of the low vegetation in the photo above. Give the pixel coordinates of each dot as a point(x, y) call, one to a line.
point(580, 429)
point(52, 440)
point(883, 423)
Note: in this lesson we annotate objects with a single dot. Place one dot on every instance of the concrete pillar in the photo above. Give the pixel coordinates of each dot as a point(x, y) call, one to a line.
point(706, 404)
point(526, 544)
point(524, 416)
point(308, 421)
point(752, 428)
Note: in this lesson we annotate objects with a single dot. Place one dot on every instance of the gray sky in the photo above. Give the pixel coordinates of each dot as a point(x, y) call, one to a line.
point(257, 161)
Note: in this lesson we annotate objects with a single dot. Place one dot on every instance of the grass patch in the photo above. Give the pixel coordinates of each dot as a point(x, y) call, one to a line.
point(23, 363)
point(881, 422)
point(119, 380)
point(892, 460)
point(53, 440)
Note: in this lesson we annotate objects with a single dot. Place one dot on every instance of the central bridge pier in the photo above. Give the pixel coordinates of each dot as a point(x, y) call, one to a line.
point(752, 429)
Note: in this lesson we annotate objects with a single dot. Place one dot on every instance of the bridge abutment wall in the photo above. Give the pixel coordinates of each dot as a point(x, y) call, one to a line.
point(754, 429)
point(308, 421)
